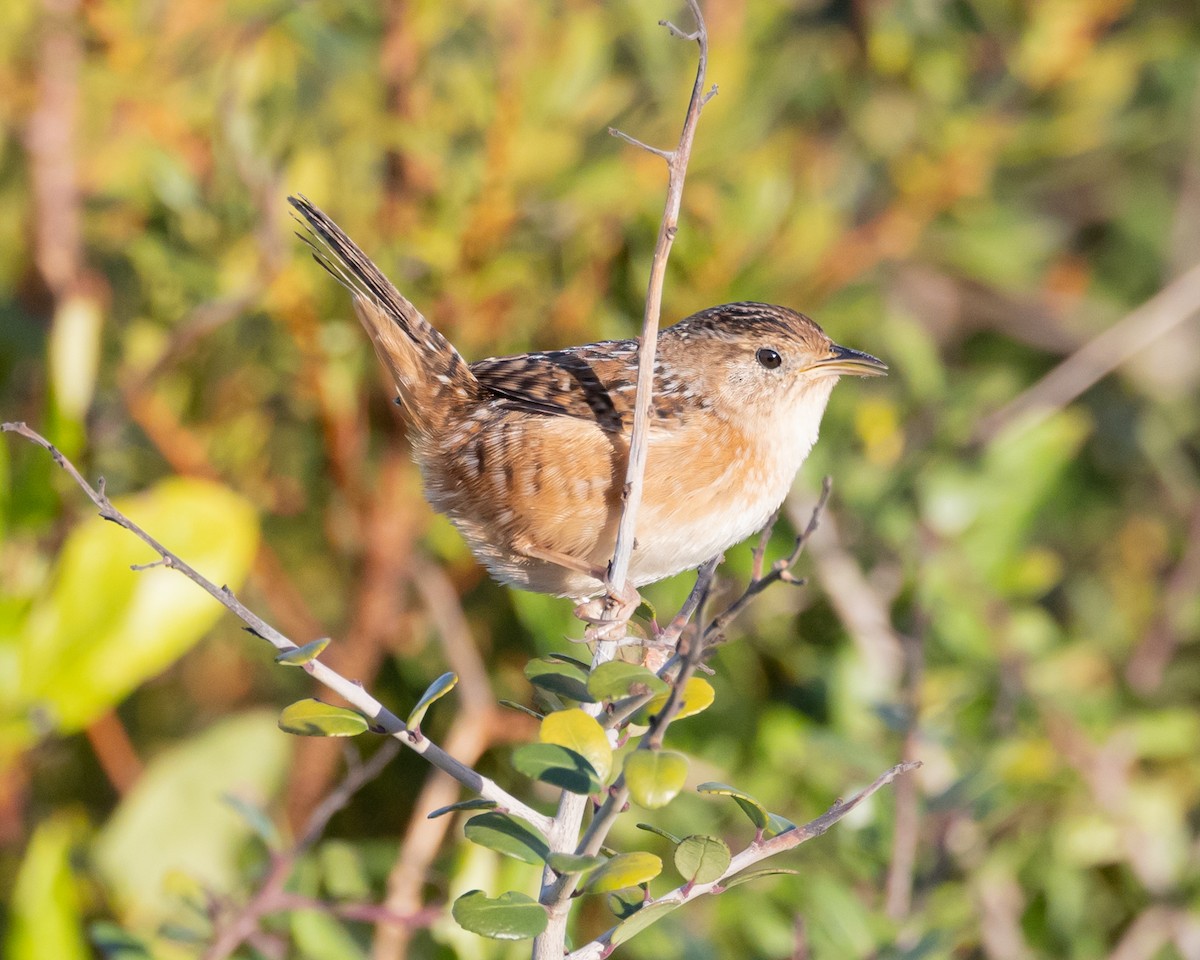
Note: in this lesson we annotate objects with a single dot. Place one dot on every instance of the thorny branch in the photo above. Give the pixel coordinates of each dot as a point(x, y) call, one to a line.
point(383, 719)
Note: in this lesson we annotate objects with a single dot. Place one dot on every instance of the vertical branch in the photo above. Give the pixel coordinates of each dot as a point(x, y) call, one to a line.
point(677, 161)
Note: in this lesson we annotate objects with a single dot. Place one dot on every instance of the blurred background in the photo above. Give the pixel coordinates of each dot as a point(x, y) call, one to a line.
point(999, 197)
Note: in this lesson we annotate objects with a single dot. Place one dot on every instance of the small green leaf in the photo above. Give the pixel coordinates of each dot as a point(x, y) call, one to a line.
point(655, 777)
point(475, 803)
point(777, 825)
point(701, 859)
point(623, 870)
point(756, 874)
point(750, 807)
point(565, 679)
point(651, 828)
point(312, 718)
point(558, 766)
point(508, 835)
point(573, 863)
point(511, 916)
point(302, 655)
point(698, 696)
point(616, 679)
point(520, 708)
point(435, 691)
point(651, 913)
point(580, 732)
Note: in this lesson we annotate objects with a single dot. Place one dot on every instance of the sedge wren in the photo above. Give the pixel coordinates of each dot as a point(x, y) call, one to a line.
point(527, 454)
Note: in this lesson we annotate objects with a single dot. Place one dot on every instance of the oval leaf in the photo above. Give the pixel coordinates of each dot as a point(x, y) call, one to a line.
point(698, 696)
point(651, 913)
point(508, 835)
point(655, 777)
point(312, 718)
point(701, 859)
point(435, 691)
point(564, 679)
point(475, 803)
point(750, 807)
point(777, 825)
point(556, 765)
point(616, 679)
point(577, 731)
point(302, 655)
point(623, 870)
point(511, 916)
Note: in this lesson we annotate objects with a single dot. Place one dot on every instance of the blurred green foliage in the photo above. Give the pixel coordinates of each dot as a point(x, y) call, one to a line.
point(971, 189)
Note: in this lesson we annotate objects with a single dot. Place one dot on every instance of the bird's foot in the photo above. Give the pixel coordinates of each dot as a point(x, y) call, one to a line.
point(607, 616)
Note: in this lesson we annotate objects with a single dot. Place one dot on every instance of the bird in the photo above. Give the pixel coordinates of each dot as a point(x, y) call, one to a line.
point(527, 454)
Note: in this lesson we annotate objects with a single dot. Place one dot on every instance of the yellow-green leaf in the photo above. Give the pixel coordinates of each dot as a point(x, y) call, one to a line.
point(435, 691)
point(701, 859)
point(302, 655)
point(312, 718)
point(624, 870)
point(655, 777)
point(580, 732)
point(698, 696)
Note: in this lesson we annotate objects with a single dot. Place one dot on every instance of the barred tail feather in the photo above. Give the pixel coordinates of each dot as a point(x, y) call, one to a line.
point(424, 364)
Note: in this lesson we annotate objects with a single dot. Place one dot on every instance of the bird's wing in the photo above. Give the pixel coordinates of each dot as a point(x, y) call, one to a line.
point(593, 382)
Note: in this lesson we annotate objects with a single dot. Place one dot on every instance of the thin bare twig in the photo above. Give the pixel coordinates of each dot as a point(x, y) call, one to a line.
point(677, 161)
point(564, 832)
point(781, 570)
point(383, 719)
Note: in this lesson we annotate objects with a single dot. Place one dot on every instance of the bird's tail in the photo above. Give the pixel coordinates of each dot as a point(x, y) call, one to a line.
point(429, 372)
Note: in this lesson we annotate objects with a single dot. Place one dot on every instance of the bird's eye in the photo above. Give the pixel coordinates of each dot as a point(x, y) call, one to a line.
point(768, 358)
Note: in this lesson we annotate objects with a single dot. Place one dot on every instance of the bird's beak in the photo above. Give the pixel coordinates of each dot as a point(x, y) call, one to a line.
point(842, 361)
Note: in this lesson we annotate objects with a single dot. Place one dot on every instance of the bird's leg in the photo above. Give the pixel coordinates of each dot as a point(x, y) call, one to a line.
point(595, 612)
point(604, 621)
